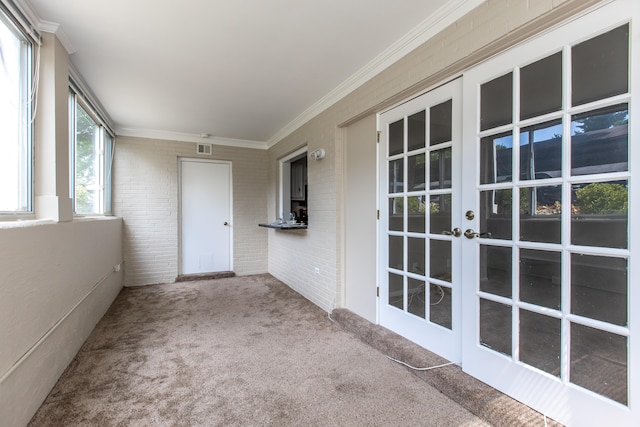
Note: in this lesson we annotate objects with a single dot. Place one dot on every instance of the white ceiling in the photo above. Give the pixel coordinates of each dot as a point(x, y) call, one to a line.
point(244, 70)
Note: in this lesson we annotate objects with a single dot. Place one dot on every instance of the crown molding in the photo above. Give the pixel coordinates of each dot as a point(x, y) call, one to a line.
point(190, 137)
point(438, 21)
point(55, 28)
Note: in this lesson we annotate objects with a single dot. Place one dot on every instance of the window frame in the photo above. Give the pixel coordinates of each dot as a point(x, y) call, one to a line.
point(284, 180)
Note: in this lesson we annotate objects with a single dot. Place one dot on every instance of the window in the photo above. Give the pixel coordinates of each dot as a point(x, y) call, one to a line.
point(293, 186)
point(91, 154)
point(15, 119)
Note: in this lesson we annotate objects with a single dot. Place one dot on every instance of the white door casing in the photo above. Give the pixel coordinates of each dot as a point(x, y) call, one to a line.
point(205, 216)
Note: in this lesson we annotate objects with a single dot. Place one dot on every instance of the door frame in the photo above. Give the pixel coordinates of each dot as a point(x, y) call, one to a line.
point(181, 161)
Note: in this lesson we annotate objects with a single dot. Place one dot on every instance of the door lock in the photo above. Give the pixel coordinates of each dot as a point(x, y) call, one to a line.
point(456, 232)
point(470, 215)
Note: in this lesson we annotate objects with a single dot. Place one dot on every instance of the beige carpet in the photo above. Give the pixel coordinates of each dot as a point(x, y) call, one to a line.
point(236, 351)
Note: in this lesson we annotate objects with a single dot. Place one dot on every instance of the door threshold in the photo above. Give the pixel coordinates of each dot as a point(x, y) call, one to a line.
point(204, 276)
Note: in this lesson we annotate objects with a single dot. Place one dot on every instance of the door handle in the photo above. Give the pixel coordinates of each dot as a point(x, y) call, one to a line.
point(470, 234)
point(226, 223)
point(456, 232)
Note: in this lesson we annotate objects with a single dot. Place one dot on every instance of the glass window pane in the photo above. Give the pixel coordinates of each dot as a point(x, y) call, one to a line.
point(440, 213)
point(600, 66)
point(396, 137)
point(496, 102)
point(540, 341)
point(396, 252)
point(15, 144)
point(540, 209)
point(440, 166)
point(440, 305)
point(599, 288)
point(540, 273)
point(495, 326)
point(599, 214)
point(495, 214)
point(495, 270)
point(416, 214)
point(440, 259)
point(440, 123)
point(416, 173)
point(88, 170)
point(495, 158)
point(599, 141)
point(396, 291)
point(416, 130)
point(396, 176)
point(599, 362)
point(541, 151)
point(416, 297)
point(396, 214)
point(541, 87)
point(416, 255)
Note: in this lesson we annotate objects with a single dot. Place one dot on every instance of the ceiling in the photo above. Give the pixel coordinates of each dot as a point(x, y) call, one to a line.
point(245, 72)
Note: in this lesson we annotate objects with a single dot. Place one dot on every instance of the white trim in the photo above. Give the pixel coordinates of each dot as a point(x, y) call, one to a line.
point(284, 178)
point(190, 137)
point(52, 27)
point(438, 21)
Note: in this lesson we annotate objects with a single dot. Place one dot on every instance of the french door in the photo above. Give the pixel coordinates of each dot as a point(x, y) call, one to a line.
point(505, 240)
point(420, 212)
point(551, 293)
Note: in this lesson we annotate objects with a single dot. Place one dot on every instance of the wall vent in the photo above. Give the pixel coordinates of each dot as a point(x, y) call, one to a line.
point(204, 149)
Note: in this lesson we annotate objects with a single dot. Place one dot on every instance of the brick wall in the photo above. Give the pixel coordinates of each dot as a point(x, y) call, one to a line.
point(145, 195)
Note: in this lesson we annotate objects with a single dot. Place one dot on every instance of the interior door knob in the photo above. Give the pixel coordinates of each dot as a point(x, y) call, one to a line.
point(226, 223)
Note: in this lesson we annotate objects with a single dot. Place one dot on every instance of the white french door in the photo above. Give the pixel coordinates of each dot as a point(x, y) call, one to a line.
point(420, 212)
point(550, 294)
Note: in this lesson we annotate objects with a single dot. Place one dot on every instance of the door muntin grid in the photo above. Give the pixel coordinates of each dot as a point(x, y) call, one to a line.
point(553, 197)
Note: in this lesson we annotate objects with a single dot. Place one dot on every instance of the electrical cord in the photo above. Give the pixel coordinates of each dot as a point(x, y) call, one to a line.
point(419, 369)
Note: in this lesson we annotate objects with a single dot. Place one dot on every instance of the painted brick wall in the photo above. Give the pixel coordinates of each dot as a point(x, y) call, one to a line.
point(145, 195)
point(293, 258)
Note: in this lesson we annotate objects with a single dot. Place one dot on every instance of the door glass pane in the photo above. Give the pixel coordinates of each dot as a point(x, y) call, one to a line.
point(396, 252)
point(600, 66)
point(540, 209)
point(440, 305)
point(540, 278)
point(416, 129)
point(495, 158)
point(416, 255)
point(396, 291)
point(495, 214)
point(599, 214)
point(396, 212)
point(599, 288)
point(416, 215)
point(495, 270)
point(541, 151)
point(440, 123)
point(440, 213)
point(495, 326)
point(396, 137)
point(416, 297)
point(440, 164)
point(396, 176)
point(440, 259)
point(599, 362)
point(540, 341)
point(496, 102)
point(599, 141)
point(416, 172)
point(541, 87)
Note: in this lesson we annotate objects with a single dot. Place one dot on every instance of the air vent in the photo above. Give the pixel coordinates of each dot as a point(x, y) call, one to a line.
point(204, 149)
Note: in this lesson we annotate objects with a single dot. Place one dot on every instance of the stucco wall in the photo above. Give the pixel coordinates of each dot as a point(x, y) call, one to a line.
point(58, 280)
point(488, 29)
point(145, 195)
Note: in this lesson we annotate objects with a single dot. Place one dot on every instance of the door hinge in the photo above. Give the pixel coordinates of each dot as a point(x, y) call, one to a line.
point(378, 214)
point(378, 291)
point(379, 136)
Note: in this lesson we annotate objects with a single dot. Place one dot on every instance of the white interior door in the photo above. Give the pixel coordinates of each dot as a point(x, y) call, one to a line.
point(205, 216)
point(550, 296)
point(419, 266)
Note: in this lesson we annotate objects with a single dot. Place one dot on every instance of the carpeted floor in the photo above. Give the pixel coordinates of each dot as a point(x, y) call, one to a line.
point(236, 351)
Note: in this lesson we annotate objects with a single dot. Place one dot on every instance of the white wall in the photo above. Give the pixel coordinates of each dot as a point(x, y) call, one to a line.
point(145, 195)
point(57, 281)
